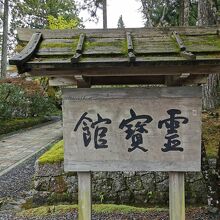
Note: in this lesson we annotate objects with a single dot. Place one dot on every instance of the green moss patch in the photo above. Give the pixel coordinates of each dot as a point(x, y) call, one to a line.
point(72, 45)
point(11, 125)
point(211, 132)
point(125, 209)
point(54, 155)
point(98, 208)
point(46, 210)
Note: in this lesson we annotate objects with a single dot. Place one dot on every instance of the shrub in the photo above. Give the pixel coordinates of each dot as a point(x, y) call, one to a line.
point(20, 99)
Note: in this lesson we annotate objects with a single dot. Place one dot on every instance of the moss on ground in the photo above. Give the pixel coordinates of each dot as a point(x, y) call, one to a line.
point(11, 125)
point(97, 208)
point(54, 155)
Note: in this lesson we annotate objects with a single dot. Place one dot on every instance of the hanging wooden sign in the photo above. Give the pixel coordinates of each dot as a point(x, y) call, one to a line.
point(135, 129)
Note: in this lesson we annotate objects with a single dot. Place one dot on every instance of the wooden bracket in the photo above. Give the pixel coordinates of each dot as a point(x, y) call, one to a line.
point(28, 51)
point(183, 51)
point(188, 55)
point(62, 81)
point(132, 57)
point(79, 49)
point(82, 82)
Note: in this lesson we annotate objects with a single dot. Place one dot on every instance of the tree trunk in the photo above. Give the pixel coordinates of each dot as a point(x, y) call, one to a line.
point(184, 12)
point(207, 16)
point(104, 14)
point(4, 40)
point(202, 13)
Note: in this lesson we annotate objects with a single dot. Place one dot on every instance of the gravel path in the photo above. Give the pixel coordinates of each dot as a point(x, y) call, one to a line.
point(16, 185)
point(193, 214)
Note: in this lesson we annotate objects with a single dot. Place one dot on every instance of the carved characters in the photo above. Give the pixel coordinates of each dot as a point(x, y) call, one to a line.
point(99, 130)
point(135, 127)
point(172, 123)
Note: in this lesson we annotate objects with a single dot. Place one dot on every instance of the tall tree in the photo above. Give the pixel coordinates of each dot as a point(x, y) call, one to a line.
point(207, 11)
point(105, 20)
point(169, 12)
point(4, 40)
point(160, 13)
point(121, 23)
point(207, 15)
point(184, 12)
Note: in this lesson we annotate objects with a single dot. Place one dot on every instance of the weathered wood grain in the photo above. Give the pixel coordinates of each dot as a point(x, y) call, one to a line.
point(24, 34)
point(121, 68)
point(176, 196)
point(28, 51)
point(62, 81)
point(115, 104)
point(84, 195)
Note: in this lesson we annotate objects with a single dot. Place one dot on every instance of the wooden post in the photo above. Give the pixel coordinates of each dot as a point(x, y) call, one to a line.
point(84, 196)
point(84, 178)
point(176, 196)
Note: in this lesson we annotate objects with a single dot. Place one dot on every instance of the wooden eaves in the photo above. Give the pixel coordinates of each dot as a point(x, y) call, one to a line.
point(175, 55)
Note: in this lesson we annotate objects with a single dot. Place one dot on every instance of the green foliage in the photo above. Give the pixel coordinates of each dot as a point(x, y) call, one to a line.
point(16, 101)
point(54, 155)
point(34, 14)
point(61, 23)
point(12, 125)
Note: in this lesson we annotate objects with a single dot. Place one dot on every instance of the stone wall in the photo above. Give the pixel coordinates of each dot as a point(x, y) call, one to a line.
point(51, 185)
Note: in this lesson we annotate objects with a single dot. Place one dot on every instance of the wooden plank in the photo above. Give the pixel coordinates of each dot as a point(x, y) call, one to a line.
point(115, 152)
point(24, 34)
point(131, 93)
point(55, 51)
point(84, 195)
point(176, 196)
point(28, 51)
point(143, 46)
point(62, 81)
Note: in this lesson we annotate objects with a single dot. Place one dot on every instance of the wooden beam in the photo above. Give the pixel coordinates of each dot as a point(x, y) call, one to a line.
point(50, 70)
point(188, 55)
point(79, 49)
point(82, 82)
point(179, 41)
point(131, 55)
point(62, 81)
point(183, 51)
point(28, 51)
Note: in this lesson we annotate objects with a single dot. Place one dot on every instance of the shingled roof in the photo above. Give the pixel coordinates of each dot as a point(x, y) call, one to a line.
point(121, 56)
